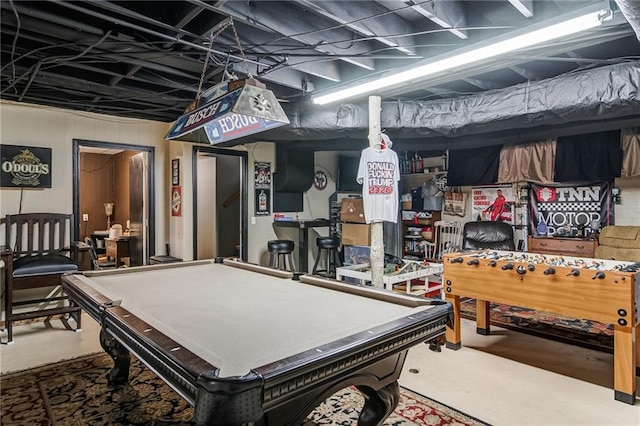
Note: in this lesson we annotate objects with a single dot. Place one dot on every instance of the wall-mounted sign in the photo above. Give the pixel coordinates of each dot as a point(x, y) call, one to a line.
point(175, 172)
point(25, 166)
point(262, 188)
point(320, 180)
point(176, 201)
point(563, 208)
point(493, 203)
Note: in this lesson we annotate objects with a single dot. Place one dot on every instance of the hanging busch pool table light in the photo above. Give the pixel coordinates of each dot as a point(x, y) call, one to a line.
point(231, 109)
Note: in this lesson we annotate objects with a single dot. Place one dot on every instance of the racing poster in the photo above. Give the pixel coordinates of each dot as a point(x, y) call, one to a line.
point(563, 208)
point(493, 203)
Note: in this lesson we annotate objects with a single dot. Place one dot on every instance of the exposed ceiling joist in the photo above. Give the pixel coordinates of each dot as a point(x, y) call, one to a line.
point(290, 21)
point(523, 6)
point(367, 19)
point(447, 14)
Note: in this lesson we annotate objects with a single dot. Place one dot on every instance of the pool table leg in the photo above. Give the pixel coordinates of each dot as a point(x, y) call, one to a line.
point(378, 404)
point(119, 374)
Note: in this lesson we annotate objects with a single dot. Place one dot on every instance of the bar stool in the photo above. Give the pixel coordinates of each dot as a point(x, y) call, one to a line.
point(331, 259)
point(281, 250)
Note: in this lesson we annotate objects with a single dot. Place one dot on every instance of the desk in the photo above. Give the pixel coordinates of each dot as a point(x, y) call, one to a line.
point(303, 227)
point(230, 335)
point(117, 248)
point(593, 289)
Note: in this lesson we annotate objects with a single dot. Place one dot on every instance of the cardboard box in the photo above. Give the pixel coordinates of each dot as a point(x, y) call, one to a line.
point(352, 210)
point(355, 234)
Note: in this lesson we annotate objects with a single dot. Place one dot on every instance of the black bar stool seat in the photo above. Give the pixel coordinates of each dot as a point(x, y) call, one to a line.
point(328, 250)
point(279, 252)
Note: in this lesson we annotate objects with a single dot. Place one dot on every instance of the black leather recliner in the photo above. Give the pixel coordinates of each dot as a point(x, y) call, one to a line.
point(483, 235)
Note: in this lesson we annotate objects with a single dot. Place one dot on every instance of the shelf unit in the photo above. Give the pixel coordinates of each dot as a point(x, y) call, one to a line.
point(430, 167)
point(413, 246)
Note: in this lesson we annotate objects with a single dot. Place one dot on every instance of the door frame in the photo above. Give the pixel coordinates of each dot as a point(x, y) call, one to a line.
point(77, 143)
point(244, 209)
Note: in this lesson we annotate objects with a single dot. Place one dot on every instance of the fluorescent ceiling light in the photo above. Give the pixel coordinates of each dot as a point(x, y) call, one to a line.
point(571, 26)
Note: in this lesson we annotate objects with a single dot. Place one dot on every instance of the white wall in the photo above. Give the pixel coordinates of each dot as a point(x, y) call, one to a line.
point(260, 227)
point(315, 204)
point(46, 127)
point(207, 200)
point(628, 211)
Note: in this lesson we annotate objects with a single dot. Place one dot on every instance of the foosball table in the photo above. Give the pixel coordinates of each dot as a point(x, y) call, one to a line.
point(602, 290)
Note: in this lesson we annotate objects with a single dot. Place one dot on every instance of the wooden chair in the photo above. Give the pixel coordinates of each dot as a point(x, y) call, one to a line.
point(37, 253)
point(448, 239)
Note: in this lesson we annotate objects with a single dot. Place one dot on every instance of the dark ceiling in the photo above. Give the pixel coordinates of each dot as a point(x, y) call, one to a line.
point(145, 59)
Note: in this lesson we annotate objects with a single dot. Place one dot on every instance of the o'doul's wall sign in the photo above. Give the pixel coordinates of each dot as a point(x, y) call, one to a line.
point(25, 167)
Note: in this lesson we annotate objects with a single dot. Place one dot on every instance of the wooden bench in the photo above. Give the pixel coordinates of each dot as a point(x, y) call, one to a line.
point(37, 252)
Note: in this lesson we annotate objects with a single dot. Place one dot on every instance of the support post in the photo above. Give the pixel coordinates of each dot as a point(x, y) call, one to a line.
point(376, 259)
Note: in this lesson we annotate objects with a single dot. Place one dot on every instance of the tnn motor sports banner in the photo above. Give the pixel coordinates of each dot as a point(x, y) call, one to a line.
point(558, 206)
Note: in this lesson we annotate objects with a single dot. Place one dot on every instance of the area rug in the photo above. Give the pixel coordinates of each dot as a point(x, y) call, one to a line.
point(75, 392)
point(580, 332)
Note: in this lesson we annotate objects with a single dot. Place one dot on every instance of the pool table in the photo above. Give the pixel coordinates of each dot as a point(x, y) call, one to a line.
point(244, 343)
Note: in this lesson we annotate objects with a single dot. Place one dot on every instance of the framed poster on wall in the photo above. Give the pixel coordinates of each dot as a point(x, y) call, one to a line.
point(493, 203)
point(262, 188)
point(175, 172)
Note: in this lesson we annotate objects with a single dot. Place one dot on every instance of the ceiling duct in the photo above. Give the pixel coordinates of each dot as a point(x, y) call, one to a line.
point(595, 95)
point(631, 11)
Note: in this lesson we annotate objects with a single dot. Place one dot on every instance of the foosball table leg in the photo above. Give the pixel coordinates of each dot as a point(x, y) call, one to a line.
point(454, 335)
point(624, 364)
point(483, 317)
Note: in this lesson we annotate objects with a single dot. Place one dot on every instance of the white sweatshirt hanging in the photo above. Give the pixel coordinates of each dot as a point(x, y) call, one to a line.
point(379, 175)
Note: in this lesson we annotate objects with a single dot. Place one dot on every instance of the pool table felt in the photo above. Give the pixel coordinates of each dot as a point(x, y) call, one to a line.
point(237, 319)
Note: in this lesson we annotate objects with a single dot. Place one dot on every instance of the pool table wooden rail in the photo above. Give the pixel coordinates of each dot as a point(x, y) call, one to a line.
point(279, 393)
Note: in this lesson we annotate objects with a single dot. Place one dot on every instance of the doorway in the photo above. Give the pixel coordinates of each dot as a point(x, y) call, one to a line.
point(113, 185)
point(220, 203)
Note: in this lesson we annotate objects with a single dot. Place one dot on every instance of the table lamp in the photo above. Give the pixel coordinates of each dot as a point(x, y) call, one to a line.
point(108, 209)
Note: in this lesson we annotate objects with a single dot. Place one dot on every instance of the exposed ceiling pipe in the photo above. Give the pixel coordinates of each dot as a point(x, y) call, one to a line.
point(178, 40)
point(631, 10)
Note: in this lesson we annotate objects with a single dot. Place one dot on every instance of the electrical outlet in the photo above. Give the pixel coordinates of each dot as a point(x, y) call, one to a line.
point(85, 217)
